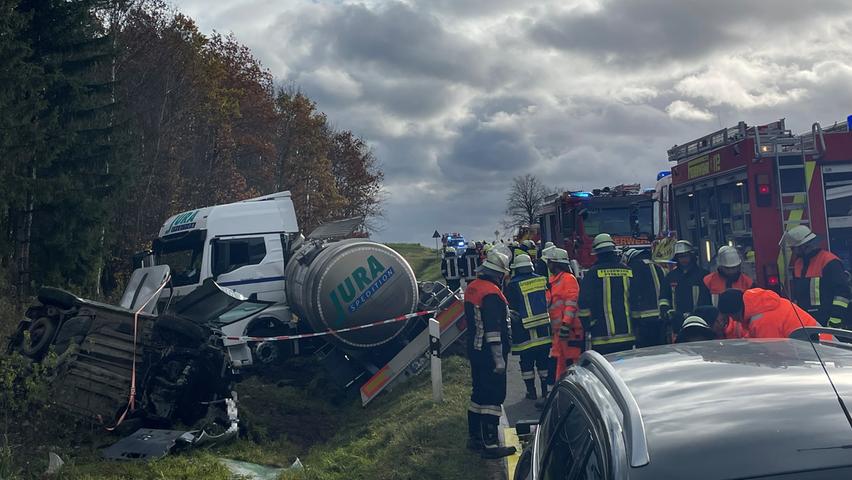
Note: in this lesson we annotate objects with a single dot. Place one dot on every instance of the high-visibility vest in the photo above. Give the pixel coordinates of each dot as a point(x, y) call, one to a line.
point(825, 299)
point(604, 301)
point(527, 295)
point(484, 330)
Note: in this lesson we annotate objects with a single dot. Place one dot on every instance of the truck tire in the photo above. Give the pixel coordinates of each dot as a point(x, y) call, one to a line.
point(42, 331)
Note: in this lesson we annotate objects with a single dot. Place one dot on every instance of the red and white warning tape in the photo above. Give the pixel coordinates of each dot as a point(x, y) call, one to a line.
point(330, 332)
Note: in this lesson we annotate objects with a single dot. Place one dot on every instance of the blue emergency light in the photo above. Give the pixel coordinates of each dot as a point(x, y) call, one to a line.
point(581, 194)
point(663, 174)
point(849, 123)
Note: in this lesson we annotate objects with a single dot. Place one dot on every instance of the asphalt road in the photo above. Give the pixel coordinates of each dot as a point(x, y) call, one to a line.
point(516, 406)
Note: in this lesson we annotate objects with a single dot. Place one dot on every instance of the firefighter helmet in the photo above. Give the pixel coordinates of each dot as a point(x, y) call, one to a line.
point(694, 321)
point(549, 244)
point(529, 243)
point(682, 247)
point(495, 261)
point(728, 257)
point(558, 255)
point(546, 252)
point(797, 236)
point(629, 254)
point(522, 261)
point(603, 243)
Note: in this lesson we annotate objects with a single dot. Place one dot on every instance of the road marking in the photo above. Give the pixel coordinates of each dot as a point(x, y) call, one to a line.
point(510, 439)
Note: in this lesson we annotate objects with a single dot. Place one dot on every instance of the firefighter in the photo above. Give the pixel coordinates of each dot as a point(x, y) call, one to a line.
point(819, 283)
point(644, 292)
point(450, 268)
point(530, 248)
point(604, 305)
point(488, 344)
point(683, 288)
point(695, 329)
point(517, 249)
point(562, 304)
point(541, 261)
point(527, 296)
point(763, 313)
point(468, 263)
point(728, 274)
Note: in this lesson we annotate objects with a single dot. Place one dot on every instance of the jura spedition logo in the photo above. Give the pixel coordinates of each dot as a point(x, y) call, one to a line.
point(358, 287)
point(184, 221)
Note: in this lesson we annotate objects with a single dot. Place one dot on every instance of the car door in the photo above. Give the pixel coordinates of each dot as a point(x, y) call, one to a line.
point(575, 448)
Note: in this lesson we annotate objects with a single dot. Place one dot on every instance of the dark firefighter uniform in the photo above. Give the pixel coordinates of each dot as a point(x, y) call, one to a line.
point(486, 312)
point(450, 269)
point(819, 287)
point(468, 263)
point(604, 305)
point(527, 295)
point(682, 291)
point(644, 294)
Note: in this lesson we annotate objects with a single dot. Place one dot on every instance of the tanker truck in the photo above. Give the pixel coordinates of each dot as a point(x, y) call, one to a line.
point(217, 279)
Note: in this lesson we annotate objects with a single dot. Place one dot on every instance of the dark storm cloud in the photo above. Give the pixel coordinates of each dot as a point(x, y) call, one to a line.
point(631, 32)
point(458, 97)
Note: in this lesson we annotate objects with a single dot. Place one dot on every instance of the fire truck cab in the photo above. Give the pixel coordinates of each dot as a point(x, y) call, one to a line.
point(572, 219)
point(745, 185)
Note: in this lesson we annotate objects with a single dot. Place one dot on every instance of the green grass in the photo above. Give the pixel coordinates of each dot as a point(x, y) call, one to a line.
point(400, 435)
point(425, 261)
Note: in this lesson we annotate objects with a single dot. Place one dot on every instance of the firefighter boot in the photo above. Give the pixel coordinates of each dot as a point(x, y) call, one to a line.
point(544, 388)
point(491, 440)
point(531, 388)
point(474, 432)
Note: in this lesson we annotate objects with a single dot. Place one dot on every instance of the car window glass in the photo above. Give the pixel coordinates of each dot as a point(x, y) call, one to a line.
point(573, 452)
point(231, 254)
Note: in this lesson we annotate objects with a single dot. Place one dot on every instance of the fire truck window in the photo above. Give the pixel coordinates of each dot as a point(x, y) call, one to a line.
point(792, 180)
point(568, 224)
point(733, 210)
point(614, 221)
point(687, 217)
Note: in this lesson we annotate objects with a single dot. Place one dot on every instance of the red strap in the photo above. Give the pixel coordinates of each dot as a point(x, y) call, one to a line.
point(131, 401)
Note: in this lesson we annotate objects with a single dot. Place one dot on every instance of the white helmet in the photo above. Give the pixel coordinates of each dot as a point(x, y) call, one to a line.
point(694, 321)
point(521, 261)
point(546, 251)
point(603, 243)
point(630, 254)
point(797, 236)
point(528, 243)
point(558, 255)
point(682, 246)
point(495, 261)
point(549, 244)
point(728, 257)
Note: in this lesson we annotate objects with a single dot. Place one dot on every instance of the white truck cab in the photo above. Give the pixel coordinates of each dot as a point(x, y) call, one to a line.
point(243, 246)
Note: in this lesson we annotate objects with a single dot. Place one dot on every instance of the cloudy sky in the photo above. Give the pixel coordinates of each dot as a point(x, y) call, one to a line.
point(459, 96)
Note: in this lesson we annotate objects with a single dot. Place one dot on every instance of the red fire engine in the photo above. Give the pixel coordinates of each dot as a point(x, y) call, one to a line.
point(746, 185)
point(572, 219)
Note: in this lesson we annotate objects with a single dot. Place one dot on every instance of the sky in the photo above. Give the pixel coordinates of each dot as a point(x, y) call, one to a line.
point(458, 97)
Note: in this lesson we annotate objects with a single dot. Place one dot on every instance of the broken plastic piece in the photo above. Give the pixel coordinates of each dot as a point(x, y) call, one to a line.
point(54, 463)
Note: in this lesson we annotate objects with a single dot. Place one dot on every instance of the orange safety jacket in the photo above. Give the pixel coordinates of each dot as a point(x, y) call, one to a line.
point(767, 315)
point(821, 288)
point(717, 284)
point(567, 331)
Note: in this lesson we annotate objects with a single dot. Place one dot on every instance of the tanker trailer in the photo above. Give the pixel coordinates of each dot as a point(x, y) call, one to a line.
point(348, 283)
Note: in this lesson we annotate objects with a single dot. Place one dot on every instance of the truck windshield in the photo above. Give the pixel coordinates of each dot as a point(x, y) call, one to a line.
point(624, 221)
point(183, 254)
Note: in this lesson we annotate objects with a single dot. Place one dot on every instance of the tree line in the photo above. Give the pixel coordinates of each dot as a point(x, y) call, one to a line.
point(116, 114)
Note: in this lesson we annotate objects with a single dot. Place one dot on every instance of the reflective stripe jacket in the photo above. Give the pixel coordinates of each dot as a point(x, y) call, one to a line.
point(645, 289)
point(604, 305)
point(450, 266)
point(562, 305)
point(468, 263)
point(487, 314)
point(527, 295)
point(683, 291)
point(819, 286)
point(717, 284)
point(767, 315)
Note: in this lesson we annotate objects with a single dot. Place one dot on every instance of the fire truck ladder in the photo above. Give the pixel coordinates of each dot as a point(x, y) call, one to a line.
point(794, 157)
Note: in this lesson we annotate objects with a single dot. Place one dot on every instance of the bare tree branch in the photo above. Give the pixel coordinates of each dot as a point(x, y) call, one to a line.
point(524, 201)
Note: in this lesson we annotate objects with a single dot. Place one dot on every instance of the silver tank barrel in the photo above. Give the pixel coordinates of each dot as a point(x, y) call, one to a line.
point(350, 283)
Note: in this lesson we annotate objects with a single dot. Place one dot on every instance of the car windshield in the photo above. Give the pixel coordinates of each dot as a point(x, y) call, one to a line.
point(183, 254)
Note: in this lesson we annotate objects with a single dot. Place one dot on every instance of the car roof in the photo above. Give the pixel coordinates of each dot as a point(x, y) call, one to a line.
point(739, 408)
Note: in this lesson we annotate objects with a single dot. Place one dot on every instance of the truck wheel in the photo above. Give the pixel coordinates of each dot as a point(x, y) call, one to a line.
point(41, 334)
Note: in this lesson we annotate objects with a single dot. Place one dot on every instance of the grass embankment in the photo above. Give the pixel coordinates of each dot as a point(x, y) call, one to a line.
point(401, 435)
point(425, 261)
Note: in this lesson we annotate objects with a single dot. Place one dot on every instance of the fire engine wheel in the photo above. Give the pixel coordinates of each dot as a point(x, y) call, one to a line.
point(41, 332)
